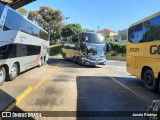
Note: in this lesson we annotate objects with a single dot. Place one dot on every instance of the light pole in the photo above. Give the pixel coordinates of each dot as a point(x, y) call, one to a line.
point(66, 19)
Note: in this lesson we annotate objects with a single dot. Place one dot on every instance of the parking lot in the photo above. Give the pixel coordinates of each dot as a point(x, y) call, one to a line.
point(65, 86)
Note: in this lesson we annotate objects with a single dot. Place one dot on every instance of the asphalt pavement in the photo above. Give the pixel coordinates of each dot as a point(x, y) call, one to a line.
point(72, 90)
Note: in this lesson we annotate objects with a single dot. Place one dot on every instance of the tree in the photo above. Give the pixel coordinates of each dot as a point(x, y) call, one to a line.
point(71, 29)
point(88, 30)
point(49, 19)
point(23, 11)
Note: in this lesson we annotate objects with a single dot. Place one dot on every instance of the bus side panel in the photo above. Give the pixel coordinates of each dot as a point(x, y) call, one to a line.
point(131, 61)
point(158, 66)
point(149, 62)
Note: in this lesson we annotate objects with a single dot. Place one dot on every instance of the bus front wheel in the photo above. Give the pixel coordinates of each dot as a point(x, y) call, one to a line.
point(2, 75)
point(14, 72)
point(149, 80)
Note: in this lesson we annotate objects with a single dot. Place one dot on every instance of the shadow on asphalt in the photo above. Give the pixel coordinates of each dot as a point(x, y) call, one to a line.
point(99, 94)
point(6, 101)
point(136, 84)
point(67, 63)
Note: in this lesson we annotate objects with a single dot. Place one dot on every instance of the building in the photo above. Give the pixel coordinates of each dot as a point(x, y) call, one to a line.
point(108, 34)
point(122, 36)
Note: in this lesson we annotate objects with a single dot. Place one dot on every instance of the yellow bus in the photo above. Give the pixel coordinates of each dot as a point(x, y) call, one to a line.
point(143, 51)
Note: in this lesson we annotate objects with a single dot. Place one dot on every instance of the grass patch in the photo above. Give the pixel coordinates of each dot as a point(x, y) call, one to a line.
point(116, 56)
point(55, 50)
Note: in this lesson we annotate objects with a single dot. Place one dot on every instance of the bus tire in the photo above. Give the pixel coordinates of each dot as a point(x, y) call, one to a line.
point(74, 59)
point(2, 75)
point(80, 60)
point(149, 80)
point(14, 72)
point(77, 60)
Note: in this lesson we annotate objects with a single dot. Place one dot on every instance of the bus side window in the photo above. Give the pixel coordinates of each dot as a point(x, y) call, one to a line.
point(37, 50)
point(3, 48)
point(75, 38)
point(82, 37)
point(43, 35)
point(132, 35)
point(13, 21)
point(30, 50)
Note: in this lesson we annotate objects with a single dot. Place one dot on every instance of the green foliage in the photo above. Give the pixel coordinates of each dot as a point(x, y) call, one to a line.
point(118, 48)
point(23, 11)
point(123, 48)
point(88, 30)
point(49, 19)
point(112, 53)
point(113, 44)
point(55, 50)
point(71, 29)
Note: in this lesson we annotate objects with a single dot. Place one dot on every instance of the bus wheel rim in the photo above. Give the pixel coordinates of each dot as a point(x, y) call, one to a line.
point(13, 71)
point(149, 79)
point(1, 76)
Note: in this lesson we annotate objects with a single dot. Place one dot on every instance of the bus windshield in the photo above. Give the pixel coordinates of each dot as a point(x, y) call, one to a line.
point(1, 9)
point(94, 38)
point(92, 50)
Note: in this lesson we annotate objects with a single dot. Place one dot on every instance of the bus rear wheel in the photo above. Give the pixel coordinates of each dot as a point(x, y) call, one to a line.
point(14, 72)
point(79, 61)
point(74, 59)
point(149, 80)
point(2, 75)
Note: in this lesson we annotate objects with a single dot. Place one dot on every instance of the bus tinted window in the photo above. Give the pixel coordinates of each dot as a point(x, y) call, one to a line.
point(43, 35)
point(3, 48)
point(145, 32)
point(1, 9)
point(94, 38)
point(29, 28)
point(13, 21)
point(82, 37)
point(37, 50)
point(75, 38)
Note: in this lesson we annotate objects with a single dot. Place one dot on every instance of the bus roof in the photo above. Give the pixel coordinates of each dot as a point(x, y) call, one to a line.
point(145, 19)
point(26, 19)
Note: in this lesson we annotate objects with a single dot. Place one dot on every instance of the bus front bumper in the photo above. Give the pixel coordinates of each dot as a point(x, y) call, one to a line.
point(92, 62)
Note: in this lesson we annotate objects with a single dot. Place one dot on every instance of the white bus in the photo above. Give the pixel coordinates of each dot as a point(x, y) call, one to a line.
point(23, 45)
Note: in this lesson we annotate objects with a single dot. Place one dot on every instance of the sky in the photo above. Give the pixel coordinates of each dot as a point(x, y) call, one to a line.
point(110, 14)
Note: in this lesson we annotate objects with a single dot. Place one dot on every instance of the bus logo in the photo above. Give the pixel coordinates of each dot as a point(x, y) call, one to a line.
point(155, 49)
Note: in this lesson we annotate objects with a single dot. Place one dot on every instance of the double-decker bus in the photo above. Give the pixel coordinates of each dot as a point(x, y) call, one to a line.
point(143, 51)
point(85, 48)
point(23, 44)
